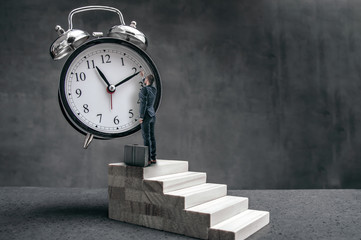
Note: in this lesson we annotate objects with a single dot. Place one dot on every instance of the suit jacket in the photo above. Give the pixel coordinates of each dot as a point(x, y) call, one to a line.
point(147, 98)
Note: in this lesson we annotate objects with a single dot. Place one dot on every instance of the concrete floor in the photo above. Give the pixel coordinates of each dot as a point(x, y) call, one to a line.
point(76, 213)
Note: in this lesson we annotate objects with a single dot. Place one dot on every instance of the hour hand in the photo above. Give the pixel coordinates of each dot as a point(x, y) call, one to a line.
point(126, 79)
point(103, 77)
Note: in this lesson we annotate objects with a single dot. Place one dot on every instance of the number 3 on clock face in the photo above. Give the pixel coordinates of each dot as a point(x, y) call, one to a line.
point(99, 87)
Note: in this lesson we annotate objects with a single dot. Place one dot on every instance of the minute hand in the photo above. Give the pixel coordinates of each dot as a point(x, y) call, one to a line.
point(126, 79)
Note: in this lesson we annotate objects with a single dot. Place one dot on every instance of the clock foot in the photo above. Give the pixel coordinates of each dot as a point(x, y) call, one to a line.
point(88, 140)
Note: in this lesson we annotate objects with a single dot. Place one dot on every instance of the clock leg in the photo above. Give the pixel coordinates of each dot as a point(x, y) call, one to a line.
point(88, 140)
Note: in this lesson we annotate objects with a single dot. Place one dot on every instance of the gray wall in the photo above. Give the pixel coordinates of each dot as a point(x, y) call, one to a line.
point(258, 94)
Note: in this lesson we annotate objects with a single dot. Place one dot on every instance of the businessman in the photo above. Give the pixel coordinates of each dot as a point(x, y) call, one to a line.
point(147, 115)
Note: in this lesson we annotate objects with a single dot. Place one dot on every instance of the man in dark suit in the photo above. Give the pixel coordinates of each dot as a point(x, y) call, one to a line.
point(147, 115)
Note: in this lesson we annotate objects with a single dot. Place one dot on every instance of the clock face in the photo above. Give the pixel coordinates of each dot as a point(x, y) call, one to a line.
point(99, 87)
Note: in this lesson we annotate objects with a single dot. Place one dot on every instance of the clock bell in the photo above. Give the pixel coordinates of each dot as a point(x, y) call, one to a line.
point(72, 39)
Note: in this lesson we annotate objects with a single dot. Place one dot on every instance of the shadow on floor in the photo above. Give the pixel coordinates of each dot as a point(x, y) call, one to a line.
point(82, 211)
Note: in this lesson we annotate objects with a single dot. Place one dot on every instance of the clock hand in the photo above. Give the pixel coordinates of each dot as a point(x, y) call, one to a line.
point(103, 77)
point(110, 88)
point(111, 101)
point(127, 79)
point(111, 96)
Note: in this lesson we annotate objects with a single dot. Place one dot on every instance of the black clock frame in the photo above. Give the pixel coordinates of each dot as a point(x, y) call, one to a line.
point(65, 108)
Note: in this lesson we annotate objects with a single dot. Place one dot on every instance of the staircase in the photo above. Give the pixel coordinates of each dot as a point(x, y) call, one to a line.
point(168, 197)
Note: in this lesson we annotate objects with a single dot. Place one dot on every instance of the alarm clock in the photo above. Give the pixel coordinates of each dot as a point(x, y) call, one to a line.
point(101, 79)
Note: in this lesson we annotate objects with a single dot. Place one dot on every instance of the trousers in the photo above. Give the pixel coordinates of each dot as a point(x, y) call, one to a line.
point(148, 135)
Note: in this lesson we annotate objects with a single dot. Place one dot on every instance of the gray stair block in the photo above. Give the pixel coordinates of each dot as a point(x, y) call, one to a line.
point(199, 194)
point(154, 198)
point(122, 182)
point(117, 193)
point(221, 209)
point(150, 221)
point(172, 182)
point(127, 211)
point(189, 229)
point(167, 219)
point(179, 199)
point(239, 226)
point(174, 214)
point(181, 224)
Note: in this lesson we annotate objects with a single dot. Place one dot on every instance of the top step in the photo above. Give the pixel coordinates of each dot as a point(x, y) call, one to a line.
point(161, 168)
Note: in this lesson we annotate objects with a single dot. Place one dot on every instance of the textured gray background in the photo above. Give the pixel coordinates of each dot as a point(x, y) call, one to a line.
point(258, 94)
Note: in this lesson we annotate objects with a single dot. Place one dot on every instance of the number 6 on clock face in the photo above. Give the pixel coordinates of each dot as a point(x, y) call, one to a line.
point(99, 87)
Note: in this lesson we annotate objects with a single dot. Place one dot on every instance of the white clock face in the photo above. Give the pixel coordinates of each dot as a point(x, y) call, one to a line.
point(101, 87)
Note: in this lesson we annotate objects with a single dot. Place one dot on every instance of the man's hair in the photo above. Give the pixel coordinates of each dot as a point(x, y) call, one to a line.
point(150, 79)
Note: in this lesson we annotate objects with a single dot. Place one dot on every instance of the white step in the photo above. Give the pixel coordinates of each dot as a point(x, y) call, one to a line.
point(200, 194)
point(165, 167)
point(239, 226)
point(175, 181)
point(222, 208)
point(161, 168)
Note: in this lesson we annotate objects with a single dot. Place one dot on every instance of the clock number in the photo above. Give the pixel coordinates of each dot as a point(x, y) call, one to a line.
point(135, 69)
point(86, 108)
point(81, 76)
point(100, 117)
point(78, 92)
point(122, 61)
point(116, 120)
point(131, 113)
point(92, 61)
point(104, 57)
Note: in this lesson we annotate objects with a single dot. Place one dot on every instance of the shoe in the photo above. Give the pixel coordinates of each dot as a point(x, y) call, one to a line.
point(149, 163)
point(153, 161)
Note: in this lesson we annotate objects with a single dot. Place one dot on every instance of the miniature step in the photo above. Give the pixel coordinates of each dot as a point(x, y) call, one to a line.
point(165, 167)
point(239, 226)
point(173, 182)
point(221, 209)
point(161, 168)
point(199, 194)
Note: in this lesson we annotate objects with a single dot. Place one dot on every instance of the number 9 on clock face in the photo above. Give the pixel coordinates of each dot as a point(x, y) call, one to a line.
point(99, 87)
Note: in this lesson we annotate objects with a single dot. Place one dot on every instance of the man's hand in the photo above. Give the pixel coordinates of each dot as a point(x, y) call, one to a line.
point(142, 73)
point(141, 120)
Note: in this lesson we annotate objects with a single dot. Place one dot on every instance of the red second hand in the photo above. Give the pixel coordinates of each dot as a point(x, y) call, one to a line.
point(111, 98)
point(111, 101)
